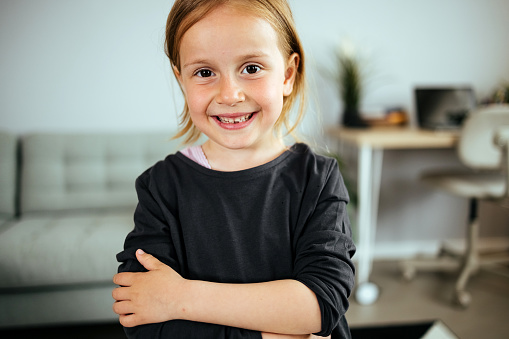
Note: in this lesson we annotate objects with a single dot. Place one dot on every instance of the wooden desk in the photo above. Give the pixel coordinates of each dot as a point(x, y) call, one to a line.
point(395, 137)
point(370, 143)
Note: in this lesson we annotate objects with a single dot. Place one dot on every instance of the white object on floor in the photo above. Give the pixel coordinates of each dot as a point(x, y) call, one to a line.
point(367, 293)
point(439, 331)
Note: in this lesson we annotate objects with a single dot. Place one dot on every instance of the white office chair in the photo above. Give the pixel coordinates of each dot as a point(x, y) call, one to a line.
point(483, 147)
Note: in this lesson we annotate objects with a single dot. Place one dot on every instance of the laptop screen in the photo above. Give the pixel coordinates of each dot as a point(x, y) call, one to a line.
point(443, 107)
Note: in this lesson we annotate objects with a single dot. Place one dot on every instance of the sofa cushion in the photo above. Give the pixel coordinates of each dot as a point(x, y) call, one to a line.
point(62, 249)
point(86, 171)
point(8, 168)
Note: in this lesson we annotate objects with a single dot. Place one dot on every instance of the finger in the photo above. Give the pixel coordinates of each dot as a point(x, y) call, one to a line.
point(123, 307)
point(121, 293)
point(148, 261)
point(124, 278)
point(128, 320)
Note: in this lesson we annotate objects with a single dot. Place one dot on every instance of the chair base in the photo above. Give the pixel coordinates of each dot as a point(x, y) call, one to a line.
point(467, 264)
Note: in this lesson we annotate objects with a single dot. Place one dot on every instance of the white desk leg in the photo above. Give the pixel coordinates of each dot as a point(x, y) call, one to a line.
point(376, 173)
point(369, 175)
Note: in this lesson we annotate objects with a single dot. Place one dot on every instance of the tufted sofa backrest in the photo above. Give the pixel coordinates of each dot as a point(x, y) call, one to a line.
point(62, 172)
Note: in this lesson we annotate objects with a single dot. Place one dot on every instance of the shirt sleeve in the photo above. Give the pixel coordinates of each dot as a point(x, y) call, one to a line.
point(151, 231)
point(324, 249)
point(152, 234)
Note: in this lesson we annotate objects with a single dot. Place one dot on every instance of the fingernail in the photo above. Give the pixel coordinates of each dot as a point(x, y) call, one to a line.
point(140, 251)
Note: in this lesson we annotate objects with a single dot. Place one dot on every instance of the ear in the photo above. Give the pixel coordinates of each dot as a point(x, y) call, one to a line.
point(291, 73)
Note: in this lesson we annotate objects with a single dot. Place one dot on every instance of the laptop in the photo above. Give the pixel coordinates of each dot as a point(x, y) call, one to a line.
point(443, 108)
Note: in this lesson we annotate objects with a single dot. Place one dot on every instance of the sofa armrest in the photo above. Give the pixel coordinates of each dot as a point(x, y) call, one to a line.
point(8, 175)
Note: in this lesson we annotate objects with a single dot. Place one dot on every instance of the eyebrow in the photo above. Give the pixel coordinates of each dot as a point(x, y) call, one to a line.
point(197, 62)
point(243, 57)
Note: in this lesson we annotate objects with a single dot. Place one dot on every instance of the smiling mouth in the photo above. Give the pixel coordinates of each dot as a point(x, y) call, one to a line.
point(236, 120)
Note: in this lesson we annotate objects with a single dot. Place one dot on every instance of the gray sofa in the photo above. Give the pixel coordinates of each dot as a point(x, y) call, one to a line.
point(66, 205)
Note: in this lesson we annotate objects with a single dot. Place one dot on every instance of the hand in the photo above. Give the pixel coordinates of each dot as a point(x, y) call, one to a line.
point(266, 335)
point(147, 297)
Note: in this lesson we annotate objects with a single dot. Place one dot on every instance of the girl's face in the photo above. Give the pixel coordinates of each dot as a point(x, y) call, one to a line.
point(234, 78)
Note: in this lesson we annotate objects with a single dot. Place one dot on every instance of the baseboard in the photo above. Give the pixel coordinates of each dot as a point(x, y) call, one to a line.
point(409, 249)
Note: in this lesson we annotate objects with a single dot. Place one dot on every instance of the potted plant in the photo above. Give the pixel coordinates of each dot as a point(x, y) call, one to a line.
point(350, 81)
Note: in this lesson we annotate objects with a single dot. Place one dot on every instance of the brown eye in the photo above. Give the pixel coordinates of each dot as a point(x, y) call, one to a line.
point(251, 69)
point(204, 73)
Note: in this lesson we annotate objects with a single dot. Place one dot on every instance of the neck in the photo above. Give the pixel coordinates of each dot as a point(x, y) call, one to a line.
point(225, 159)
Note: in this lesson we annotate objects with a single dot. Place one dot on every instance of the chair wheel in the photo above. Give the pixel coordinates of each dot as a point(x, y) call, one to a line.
point(462, 298)
point(442, 252)
point(409, 273)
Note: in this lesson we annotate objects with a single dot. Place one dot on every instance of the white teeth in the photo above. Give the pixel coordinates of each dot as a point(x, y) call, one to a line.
point(235, 120)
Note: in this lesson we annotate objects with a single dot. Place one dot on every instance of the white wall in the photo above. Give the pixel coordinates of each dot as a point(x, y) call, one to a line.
point(408, 43)
point(404, 44)
point(99, 65)
point(85, 65)
point(89, 65)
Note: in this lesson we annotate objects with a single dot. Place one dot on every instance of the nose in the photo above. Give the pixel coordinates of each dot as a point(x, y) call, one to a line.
point(230, 91)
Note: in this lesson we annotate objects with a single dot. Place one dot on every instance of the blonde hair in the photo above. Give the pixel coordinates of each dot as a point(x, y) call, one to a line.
point(185, 13)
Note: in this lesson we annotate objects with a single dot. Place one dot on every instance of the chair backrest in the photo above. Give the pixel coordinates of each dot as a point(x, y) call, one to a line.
point(476, 146)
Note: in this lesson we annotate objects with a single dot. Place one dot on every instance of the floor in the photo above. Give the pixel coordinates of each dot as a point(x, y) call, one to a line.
point(428, 296)
point(422, 300)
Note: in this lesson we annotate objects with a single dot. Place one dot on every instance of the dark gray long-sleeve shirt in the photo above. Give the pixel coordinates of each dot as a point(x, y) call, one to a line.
point(285, 219)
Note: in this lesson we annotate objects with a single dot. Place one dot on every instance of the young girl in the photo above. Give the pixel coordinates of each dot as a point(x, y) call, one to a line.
point(241, 237)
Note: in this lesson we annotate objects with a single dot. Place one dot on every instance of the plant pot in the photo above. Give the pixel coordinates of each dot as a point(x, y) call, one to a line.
point(352, 118)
